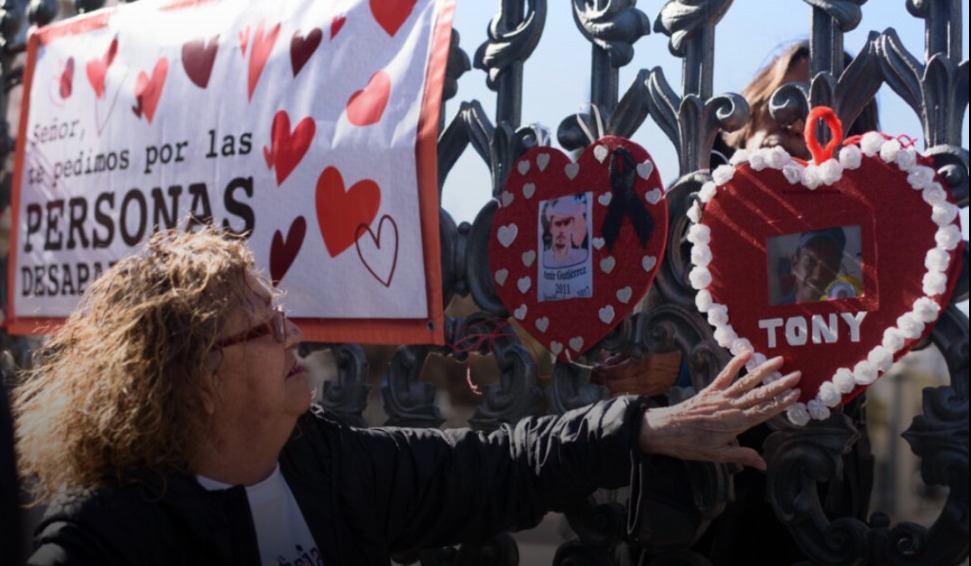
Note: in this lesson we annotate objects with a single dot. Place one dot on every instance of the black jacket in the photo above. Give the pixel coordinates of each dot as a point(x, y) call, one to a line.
point(365, 493)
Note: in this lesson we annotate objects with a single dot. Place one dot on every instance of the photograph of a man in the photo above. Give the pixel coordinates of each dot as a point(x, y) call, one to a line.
point(563, 243)
point(823, 265)
point(565, 240)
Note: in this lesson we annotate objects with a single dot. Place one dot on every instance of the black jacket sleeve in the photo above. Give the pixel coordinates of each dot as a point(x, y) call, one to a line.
point(415, 488)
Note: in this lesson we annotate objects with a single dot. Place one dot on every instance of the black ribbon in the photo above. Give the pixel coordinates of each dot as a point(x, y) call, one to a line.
point(625, 202)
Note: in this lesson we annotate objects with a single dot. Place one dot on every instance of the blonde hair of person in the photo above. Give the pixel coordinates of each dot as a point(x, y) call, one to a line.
point(759, 91)
point(121, 384)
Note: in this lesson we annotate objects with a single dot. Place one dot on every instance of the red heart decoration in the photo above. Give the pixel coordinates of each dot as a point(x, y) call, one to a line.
point(283, 252)
point(340, 213)
point(564, 265)
point(96, 69)
point(67, 79)
point(198, 57)
point(262, 46)
point(288, 148)
point(243, 41)
point(148, 90)
point(336, 24)
point(391, 14)
point(366, 106)
point(379, 254)
point(301, 48)
point(875, 228)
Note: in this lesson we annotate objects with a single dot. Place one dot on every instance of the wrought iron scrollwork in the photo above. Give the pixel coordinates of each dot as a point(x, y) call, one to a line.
point(408, 401)
point(347, 395)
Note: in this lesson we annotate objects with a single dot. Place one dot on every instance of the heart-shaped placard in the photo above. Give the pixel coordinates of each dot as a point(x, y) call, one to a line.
point(575, 246)
point(840, 266)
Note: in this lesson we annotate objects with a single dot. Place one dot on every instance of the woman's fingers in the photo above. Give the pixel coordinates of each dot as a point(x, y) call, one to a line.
point(727, 375)
point(768, 391)
point(756, 376)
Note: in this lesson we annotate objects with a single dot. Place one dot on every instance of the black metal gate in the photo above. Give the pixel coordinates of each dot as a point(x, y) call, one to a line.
point(688, 497)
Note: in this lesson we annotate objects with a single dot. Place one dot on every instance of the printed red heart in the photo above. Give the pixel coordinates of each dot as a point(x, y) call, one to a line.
point(96, 69)
point(262, 46)
point(391, 14)
point(243, 41)
point(288, 148)
point(340, 213)
point(301, 48)
point(366, 106)
point(148, 90)
point(67, 79)
point(284, 251)
point(839, 267)
point(198, 57)
point(336, 24)
point(575, 246)
point(379, 254)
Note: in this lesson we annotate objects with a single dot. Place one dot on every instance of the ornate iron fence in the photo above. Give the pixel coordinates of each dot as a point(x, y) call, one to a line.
point(688, 497)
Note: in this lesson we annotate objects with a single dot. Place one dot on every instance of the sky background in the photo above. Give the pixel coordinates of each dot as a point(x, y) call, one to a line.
point(556, 77)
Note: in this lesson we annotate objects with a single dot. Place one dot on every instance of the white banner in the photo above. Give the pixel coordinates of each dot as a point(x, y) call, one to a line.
point(308, 125)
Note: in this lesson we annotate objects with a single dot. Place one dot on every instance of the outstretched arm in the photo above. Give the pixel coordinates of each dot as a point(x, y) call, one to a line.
point(705, 426)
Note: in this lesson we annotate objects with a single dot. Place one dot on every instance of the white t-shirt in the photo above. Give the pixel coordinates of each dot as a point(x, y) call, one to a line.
point(282, 533)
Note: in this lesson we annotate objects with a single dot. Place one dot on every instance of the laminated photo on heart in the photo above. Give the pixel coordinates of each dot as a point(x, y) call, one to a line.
point(841, 265)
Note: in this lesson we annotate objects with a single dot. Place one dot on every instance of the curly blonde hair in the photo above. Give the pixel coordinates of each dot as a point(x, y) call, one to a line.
point(121, 385)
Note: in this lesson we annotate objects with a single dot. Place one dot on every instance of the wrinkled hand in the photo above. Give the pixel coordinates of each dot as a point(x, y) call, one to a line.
point(705, 426)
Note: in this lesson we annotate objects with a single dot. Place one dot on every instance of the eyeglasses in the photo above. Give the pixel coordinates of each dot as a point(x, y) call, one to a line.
point(276, 325)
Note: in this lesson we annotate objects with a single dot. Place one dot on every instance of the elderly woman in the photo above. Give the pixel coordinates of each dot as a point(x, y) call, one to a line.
point(168, 422)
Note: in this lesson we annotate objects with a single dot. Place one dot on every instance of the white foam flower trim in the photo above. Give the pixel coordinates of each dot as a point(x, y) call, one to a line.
point(723, 174)
point(851, 157)
point(777, 158)
point(740, 156)
point(910, 326)
point(758, 358)
point(817, 409)
point(934, 194)
point(830, 171)
point(829, 394)
point(725, 335)
point(893, 340)
point(757, 160)
point(871, 143)
point(811, 177)
point(881, 358)
point(717, 314)
point(926, 310)
point(694, 213)
point(703, 301)
point(889, 150)
point(798, 414)
point(864, 373)
point(944, 213)
point(906, 159)
point(707, 192)
point(700, 277)
point(935, 283)
point(948, 237)
point(937, 259)
point(843, 381)
point(701, 255)
point(793, 174)
point(740, 346)
point(699, 234)
point(920, 176)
